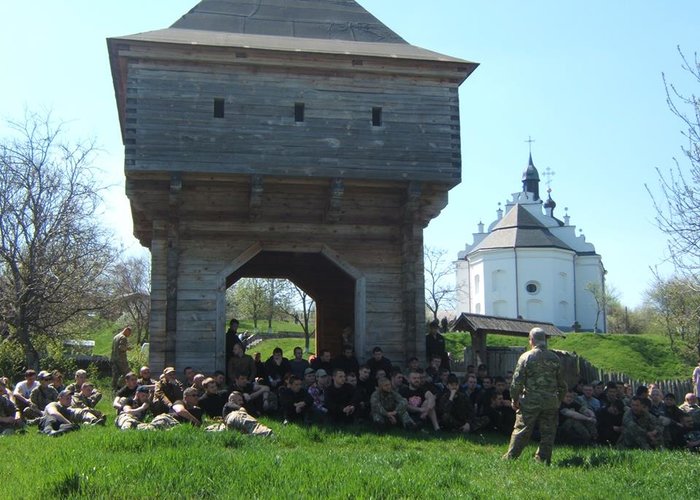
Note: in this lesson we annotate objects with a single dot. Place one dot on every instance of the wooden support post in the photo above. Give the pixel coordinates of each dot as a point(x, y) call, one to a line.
point(412, 274)
point(257, 188)
point(479, 353)
point(335, 200)
point(173, 264)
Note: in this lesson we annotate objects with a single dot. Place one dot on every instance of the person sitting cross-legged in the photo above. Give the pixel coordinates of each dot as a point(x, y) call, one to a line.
point(254, 394)
point(421, 402)
point(58, 416)
point(213, 400)
point(181, 412)
point(388, 407)
point(640, 429)
point(41, 396)
point(86, 397)
point(341, 399)
point(80, 379)
point(168, 390)
point(295, 401)
point(577, 424)
point(454, 409)
point(10, 416)
point(610, 422)
point(133, 411)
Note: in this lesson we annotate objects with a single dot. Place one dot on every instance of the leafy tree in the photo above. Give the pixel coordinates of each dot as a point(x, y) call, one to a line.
point(252, 299)
point(440, 288)
point(678, 211)
point(677, 302)
point(53, 252)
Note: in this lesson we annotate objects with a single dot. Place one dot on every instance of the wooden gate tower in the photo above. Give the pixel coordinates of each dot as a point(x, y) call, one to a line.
point(297, 139)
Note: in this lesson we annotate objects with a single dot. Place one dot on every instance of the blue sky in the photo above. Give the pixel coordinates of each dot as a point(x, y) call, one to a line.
point(583, 78)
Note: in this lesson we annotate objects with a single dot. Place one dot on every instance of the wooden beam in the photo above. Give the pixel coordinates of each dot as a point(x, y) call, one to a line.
point(335, 199)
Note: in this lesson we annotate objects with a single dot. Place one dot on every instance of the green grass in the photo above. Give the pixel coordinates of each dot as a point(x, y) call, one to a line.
point(311, 462)
point(266, 347)
point(643, 357)
point(277, 326)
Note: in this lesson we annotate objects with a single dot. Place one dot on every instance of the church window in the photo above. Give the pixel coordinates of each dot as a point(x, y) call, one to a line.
point(477, 284)
point(219, 104)
point(477, 308)
point(532, 287)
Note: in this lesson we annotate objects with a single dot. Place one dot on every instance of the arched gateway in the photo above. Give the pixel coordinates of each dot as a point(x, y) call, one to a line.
point(297, 139)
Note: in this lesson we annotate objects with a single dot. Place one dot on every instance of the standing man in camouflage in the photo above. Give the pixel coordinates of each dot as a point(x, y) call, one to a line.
point(120, 365)
point(537, 389)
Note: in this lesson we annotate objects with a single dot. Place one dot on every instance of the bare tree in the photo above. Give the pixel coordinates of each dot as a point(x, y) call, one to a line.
point(298, 305)
point(53, 252)
point(131, 282)
point(440, 287)
point(678, 212)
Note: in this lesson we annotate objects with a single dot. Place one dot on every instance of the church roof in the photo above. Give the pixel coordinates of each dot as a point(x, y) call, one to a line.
point(520, 229)
point(326, 19)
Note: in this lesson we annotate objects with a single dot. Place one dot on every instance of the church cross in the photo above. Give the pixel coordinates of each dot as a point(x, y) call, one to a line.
point(548, 174)
point(530, 140)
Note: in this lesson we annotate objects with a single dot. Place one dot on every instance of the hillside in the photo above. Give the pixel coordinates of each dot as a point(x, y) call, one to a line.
point(644, 357)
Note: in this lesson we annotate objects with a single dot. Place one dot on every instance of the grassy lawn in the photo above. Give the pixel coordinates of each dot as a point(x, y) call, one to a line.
point(311, 462)
point(644, 357)
point(266, 347)
point(277, 326)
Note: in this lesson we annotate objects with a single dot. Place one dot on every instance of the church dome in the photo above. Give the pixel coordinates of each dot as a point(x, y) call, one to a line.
point(531, 173)
point(550, 203)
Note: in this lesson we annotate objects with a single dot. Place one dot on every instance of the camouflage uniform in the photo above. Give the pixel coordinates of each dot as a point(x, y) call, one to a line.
point(39, 398)
point(539, 387)
point(240, 420)
point(382, 403)
point(118, 360)
point(81, 401)
point(635, 428)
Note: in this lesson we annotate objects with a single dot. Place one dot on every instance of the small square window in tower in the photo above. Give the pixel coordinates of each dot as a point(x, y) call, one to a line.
point(219, 107)
point(376, 117)
point(299, 112)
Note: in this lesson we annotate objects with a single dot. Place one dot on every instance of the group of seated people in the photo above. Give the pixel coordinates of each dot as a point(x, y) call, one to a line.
point(43, 400)
point(340, 390)
point(615, 414)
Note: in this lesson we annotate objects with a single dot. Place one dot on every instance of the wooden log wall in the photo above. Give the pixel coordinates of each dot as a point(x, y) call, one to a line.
point(170, 123)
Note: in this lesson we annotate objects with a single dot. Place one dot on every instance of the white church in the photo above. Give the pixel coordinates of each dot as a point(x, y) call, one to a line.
point(531, 265)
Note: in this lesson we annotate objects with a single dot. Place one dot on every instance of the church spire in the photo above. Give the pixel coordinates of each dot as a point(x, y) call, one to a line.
point(531, 180)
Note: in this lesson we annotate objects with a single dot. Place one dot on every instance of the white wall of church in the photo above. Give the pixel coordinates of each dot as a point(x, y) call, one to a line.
point(588, 270)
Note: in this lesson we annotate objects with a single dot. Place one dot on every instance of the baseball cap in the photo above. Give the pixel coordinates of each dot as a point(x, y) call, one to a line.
point(321, 373)
point(43, 375)
point(169, 369)
point(142, 388)
point(309, 370)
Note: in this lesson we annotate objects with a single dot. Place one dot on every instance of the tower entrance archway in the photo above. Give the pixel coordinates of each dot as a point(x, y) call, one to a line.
point(336, 287)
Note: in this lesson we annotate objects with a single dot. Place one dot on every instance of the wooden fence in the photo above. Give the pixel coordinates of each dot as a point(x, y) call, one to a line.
point(502, 359)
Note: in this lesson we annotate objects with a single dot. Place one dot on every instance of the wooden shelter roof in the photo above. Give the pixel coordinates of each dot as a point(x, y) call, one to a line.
point(479, 323)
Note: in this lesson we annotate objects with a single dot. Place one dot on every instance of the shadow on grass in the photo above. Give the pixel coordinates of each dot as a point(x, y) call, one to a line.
point(605, 458)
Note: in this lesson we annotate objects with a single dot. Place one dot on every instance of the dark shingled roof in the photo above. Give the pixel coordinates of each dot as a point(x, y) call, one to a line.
point(326, 19)
point(479, 323)
point(520, 229)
